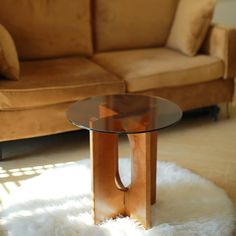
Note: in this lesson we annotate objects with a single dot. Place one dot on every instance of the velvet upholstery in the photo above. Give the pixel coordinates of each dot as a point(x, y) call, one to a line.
point(56, 81)
point(121, 24)
point(52, 119)
point(196, 95)
point(221, 43)
point(159, 67)
point(9, 63)
point(46, 29)
point(192, 20)
point(35, 122)
point(61, 67)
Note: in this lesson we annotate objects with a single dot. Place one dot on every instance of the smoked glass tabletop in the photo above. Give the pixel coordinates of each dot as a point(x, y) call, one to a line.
point(124, 113)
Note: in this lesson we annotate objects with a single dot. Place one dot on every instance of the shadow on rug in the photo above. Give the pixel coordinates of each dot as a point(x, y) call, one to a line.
point(58, 203)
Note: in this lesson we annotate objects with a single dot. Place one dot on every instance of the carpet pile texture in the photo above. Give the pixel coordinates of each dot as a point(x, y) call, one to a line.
point(58, 203)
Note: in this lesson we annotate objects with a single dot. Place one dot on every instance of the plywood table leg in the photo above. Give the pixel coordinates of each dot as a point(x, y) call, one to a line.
point(108, 200)
point(153, 168)
point(138, 197)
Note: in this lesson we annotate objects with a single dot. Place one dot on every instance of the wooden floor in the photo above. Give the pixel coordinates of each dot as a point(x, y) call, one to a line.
point(206, 147)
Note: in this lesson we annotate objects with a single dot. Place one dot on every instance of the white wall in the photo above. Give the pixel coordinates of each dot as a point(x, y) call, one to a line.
point(225, 12)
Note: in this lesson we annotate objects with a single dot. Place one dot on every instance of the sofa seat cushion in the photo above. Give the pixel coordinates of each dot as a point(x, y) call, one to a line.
point(47, 82)
point(159, 67)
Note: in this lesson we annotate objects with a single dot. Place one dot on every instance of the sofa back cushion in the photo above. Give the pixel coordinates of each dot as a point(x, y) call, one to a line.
point(191, 23)
point(122, 24)
point(46, 29)
point(9, 63)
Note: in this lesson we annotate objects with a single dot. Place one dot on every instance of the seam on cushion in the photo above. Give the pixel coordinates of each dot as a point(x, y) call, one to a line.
point(107, 69)
point(175, 71)
point(122, 79)
point(48, 104)
point(53, 88)
point(39, 107)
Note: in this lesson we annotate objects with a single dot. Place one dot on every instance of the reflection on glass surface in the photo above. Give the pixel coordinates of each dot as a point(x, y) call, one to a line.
point(124, 113)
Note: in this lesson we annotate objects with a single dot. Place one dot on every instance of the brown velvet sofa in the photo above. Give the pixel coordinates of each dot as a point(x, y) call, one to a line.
point(70, 50)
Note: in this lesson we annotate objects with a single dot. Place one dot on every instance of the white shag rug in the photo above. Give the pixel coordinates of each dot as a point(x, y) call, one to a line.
point(58, 203)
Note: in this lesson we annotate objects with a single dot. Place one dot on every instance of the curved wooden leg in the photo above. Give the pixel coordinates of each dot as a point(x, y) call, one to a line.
point(108, 200)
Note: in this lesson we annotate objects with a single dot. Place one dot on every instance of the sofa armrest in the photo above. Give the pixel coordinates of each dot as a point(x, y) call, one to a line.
point(221, 42)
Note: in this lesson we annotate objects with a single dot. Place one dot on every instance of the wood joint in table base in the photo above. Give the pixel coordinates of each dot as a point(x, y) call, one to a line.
point(110, 197)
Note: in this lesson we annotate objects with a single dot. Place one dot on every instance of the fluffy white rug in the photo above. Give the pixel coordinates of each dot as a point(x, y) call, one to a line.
point(58, 203)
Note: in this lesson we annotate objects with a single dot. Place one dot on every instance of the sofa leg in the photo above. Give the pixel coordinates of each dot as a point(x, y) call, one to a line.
point(215, 110)
point(227, 110)
point(1, 153)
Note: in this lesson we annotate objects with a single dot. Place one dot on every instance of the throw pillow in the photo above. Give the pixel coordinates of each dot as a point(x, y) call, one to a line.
point(9, 63)
point(192, 20)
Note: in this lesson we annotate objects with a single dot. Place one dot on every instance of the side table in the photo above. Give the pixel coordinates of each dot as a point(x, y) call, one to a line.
point(140, 117)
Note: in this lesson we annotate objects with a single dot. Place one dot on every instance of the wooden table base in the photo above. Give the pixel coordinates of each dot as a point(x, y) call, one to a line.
point(110, 197)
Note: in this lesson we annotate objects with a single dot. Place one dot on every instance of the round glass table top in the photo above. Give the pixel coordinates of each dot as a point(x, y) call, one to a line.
point(124, 113)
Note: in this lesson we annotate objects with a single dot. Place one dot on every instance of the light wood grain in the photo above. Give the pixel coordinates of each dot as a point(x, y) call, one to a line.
point(138, 197)
point(110, 197)
point(108, 200)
